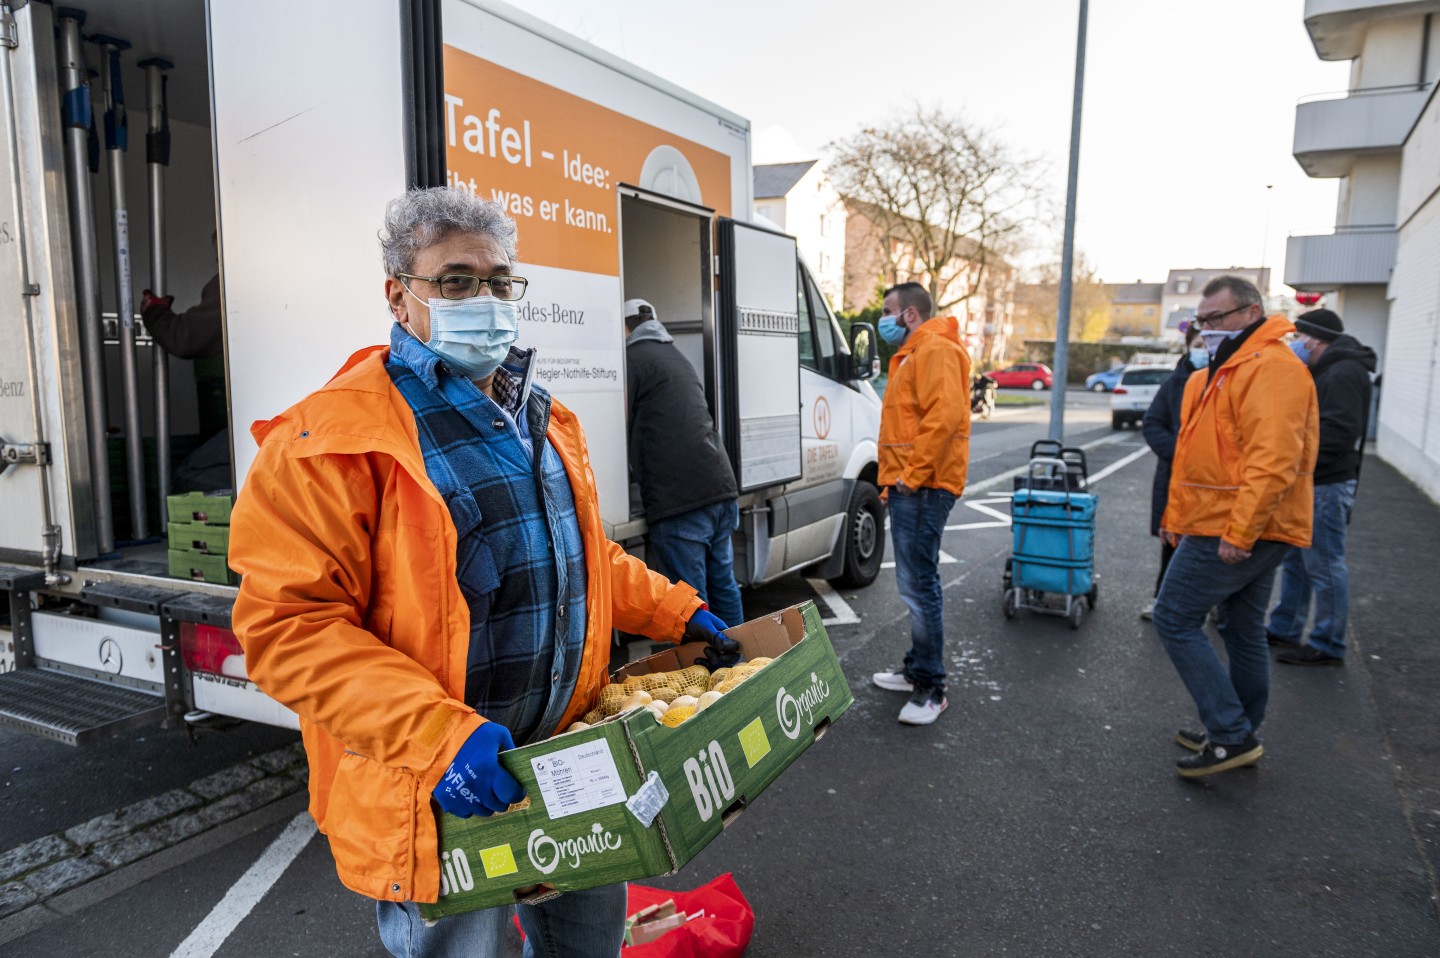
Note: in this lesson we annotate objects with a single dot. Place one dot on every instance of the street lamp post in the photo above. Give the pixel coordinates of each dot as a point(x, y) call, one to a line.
point(1067, 255)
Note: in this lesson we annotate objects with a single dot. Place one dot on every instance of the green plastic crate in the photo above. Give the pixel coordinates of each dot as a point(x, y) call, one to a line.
point(200, 567)
point(204, 508)
point(197, 537)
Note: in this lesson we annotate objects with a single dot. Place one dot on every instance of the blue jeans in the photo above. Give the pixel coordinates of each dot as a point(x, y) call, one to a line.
point(578, 924)
point(695, 547)
point(917, 521)
point(1231, 704)
point(1319, 570)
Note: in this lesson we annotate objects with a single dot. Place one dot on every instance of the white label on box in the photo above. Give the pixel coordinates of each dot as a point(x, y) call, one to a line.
point(579, 779)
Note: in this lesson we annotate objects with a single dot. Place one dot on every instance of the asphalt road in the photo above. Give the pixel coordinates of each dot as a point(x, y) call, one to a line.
point(1039, 816)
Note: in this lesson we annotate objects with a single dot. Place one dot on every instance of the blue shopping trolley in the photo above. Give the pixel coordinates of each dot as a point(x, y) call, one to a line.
point(1052, 564)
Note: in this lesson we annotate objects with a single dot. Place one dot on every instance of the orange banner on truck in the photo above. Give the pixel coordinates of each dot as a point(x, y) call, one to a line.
point(553, 160)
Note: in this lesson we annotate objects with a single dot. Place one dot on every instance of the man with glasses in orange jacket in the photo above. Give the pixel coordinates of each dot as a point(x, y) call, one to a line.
point(1241, 488)
point(426, 581)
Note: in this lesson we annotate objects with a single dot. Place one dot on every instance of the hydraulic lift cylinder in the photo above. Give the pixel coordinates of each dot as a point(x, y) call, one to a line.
point(78, 120)
point(116, 141)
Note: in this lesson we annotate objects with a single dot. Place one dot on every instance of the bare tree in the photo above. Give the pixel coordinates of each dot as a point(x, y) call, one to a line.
point(1089, 301)
point(946, 199)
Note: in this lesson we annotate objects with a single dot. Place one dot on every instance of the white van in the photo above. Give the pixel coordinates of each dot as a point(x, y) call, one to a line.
point(288, 126)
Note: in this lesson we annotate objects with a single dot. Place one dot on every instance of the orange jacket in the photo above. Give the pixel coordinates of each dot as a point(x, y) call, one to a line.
point(1245, 457)
point(350, 613)
point(925, 422)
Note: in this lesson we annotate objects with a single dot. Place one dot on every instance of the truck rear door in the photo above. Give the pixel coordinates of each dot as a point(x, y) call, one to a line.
point(757, 334)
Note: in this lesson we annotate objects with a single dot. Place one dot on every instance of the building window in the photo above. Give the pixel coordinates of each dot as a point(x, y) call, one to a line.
point(1149, 310)
point(1182, 285)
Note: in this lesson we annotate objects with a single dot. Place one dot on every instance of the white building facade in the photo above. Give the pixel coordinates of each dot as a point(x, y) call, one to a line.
point(1380, 268)
point(798, 198)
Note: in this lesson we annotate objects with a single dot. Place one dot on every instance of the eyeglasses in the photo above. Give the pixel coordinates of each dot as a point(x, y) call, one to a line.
point(1216, 317)
point(465, 286)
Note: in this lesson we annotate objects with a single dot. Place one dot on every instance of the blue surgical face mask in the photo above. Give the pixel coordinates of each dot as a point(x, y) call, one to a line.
point(1199, 357)
point(1214, 337)
point(472, 335)
point(892, 330)
point(1300, 346)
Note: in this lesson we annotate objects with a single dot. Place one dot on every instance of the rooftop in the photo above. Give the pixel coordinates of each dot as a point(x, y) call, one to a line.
point(776, 179)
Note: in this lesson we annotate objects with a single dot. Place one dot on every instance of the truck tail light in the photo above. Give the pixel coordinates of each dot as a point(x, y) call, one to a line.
point(1121, 391)
point(209, 648)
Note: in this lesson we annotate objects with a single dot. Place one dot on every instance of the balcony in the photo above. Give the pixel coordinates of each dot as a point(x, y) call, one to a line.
point(1337, 27)
point(1351, 256)
point(1331, 130)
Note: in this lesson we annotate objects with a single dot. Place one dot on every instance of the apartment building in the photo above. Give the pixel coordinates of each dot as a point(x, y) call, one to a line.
point(1380, 267)
point(979, 291)
point(1134, 309)
point(1183, 288)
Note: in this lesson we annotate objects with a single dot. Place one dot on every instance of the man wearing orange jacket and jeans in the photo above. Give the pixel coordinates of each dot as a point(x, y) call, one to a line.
point(427, 582)
point(1241, 488)
point(924, 453)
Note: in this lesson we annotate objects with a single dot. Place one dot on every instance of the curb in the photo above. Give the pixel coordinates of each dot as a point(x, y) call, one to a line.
point(62, 873)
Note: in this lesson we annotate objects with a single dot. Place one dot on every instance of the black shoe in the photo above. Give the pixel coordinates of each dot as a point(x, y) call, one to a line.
point(1308, 655)
point(1220, 758)
point(1272, 639)
point(1193, 739)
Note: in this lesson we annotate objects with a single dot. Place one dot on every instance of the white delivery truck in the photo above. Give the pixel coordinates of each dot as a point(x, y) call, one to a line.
point(273, 133)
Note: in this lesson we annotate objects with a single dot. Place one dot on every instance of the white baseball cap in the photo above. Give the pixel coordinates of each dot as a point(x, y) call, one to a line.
point(639, 307)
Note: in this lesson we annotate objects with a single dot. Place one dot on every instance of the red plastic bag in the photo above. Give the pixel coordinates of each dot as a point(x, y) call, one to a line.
point(724, 932)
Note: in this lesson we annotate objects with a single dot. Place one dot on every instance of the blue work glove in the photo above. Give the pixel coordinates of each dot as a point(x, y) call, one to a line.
point(475, 783)
point(721, 651)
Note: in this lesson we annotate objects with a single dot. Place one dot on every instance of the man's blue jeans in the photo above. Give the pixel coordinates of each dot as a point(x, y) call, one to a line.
point(1231, 703)
point(1319, 570)
point(917, 521)
point(578, 924)
point(695, 547)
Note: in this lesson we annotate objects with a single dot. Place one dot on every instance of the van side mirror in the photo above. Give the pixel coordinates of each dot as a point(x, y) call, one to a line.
point(864, 353)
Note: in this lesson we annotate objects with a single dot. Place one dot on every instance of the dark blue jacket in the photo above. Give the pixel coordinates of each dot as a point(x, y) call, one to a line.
point(1161, 427)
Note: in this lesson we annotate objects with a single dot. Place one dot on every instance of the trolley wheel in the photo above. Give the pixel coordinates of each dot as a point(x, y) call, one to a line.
point(1012, 603)
point(1093, 597)
point(1077, 612)
point(1009, 577)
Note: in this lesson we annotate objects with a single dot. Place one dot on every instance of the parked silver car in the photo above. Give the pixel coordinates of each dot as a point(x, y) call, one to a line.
point(1133, 394)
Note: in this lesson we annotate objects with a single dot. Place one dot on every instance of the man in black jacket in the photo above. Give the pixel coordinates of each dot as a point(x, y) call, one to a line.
point(686, 483)
point(1161, 427)
point(1342, 368)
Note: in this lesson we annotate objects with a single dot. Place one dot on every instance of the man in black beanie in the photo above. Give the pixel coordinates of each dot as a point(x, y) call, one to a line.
point(1342, 368)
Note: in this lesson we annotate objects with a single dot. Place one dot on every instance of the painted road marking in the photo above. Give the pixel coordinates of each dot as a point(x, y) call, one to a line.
point(1119, 464)
point(243, 896)
point(840, 611)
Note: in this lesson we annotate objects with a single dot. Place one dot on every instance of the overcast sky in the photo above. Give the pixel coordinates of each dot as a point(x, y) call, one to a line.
point(1189, 107)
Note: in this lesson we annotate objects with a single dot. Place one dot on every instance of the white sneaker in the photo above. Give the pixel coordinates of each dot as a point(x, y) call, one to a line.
point(924, 707)
point(893, 681)
point(1148, 612)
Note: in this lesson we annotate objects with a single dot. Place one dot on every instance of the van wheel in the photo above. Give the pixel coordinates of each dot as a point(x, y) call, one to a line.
point(864, 537)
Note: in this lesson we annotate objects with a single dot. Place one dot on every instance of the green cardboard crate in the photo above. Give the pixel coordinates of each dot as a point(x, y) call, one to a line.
point(201, 567)
point(630, 798)
point(197, 537)
point(205, 508)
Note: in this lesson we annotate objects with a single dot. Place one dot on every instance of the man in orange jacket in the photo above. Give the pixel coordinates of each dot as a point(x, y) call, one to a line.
point(427, 581)
point(1240, 496)
point(924, 454)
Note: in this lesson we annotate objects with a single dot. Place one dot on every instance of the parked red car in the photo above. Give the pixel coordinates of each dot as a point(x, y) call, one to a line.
point(1034, 376)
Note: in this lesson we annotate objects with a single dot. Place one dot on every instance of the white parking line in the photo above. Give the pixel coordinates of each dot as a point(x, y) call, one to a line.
point(243, 896)
point(1119, 464)
point(840, 611)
